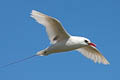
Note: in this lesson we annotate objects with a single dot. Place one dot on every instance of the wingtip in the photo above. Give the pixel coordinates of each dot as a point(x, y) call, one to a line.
point(106, 63)
point(37, 13)
point(34, 12)
point(102, 61)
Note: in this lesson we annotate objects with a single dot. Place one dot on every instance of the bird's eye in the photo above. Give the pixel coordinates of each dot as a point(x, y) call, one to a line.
point(86, 41)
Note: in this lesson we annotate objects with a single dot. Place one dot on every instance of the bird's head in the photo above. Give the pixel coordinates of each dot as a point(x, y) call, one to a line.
point(87, 42)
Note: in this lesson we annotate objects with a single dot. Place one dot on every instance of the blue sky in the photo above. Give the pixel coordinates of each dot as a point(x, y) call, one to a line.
point(21, 36)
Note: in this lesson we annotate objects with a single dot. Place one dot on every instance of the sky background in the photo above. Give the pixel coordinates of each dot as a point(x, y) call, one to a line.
point(21, 36)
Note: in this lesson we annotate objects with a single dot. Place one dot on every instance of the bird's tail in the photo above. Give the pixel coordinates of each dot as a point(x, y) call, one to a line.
point(42, 53)
point(18, 61)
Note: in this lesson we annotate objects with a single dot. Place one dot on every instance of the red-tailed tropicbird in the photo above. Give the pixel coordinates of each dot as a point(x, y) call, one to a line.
point(62, 41)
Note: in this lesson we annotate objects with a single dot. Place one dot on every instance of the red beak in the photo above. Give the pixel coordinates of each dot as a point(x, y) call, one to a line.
point(92, 44)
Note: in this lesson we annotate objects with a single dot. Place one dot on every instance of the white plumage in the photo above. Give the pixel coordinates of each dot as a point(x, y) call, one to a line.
point(62, 41)
point(52, 25)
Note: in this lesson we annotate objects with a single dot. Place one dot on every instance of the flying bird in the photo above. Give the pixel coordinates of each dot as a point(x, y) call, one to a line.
point(62, 41)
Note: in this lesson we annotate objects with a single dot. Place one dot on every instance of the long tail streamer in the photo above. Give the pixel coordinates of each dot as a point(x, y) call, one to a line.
point(17, 61)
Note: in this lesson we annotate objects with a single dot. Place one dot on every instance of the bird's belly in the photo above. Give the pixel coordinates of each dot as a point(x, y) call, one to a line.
point(61, 48)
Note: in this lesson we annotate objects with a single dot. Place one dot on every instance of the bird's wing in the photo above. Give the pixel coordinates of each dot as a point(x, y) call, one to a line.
point(53, 27)
point(93, 54)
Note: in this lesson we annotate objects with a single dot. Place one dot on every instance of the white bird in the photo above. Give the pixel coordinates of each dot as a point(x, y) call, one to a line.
point(62, 41)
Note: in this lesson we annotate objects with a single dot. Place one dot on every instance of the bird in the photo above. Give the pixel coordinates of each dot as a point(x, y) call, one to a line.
point(62, 41)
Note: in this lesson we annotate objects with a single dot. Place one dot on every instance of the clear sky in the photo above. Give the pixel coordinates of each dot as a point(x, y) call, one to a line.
point(21, 36)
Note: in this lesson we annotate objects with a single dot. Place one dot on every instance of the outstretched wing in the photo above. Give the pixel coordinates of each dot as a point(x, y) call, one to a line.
point(53, 27)
point(93, 54)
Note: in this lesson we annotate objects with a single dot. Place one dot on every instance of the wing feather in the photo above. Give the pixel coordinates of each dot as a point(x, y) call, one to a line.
point(53, 27)
point(93, 54)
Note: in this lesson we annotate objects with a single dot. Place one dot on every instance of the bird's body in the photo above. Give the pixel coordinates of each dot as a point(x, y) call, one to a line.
point(72, 43)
